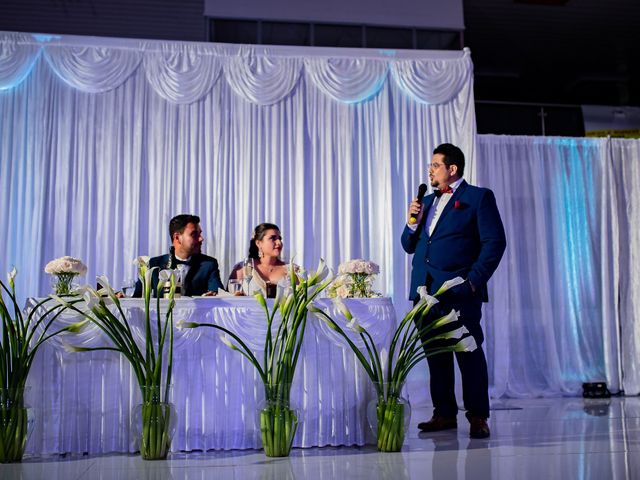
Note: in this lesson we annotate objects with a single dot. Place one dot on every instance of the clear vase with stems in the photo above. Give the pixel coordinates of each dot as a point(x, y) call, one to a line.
point(389, 415)
point(16, 423)
point(278, 421)
point(422, 332)
point(155, 421)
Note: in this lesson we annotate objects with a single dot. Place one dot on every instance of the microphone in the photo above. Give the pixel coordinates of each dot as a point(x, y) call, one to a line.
point(422, 189)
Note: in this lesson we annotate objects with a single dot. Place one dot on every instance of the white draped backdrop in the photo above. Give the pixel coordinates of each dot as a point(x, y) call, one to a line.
point(102, 141)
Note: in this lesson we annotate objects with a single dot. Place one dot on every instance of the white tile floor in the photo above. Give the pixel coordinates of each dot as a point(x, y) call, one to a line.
point(564, 438)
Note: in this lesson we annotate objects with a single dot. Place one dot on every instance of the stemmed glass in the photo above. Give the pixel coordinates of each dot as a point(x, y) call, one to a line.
point(247, 274)
point(129, 287)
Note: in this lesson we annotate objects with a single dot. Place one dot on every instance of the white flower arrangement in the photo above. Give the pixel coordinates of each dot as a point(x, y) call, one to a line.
point(66, 264)
point(355, 280)
point(65, 269)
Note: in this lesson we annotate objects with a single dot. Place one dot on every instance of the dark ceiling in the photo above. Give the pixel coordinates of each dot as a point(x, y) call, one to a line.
point(581, 52)
point(578, 52)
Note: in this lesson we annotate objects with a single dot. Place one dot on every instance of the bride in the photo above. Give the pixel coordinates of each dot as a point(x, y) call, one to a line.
point(263, 267)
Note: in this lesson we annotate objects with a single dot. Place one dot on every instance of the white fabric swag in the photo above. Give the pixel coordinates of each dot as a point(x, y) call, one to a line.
point(184, 73)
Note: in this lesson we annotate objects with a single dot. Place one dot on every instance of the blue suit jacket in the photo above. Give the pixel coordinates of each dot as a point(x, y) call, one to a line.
point(203, 275)
point(468, 241)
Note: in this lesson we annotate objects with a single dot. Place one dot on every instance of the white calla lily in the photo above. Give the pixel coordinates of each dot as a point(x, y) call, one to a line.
point(227, 341)
point(467, 344)
point(426, 298)
point(450, 317)
point(355, 326)
point(185, 324)
point(342, 308)
point(454, 282)
point(11, 276)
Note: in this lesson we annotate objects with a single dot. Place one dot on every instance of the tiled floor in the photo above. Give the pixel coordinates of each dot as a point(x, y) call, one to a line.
point(564, 438)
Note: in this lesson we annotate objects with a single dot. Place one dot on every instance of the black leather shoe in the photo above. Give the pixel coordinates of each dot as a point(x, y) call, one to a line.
point(478, 428)
point(438, 423)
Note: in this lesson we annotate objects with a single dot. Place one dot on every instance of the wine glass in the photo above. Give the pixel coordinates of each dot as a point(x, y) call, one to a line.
point(129, 287)
point(247, 274)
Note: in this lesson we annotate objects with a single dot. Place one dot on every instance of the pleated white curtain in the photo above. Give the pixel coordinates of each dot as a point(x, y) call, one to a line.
point(104, 140)
point(564, 306)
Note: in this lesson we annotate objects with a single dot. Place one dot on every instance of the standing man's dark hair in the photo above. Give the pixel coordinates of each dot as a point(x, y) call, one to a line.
point(180, 222)
point(452, 156)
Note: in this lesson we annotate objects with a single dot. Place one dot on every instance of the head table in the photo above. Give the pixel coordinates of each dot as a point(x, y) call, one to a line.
point(83, 400)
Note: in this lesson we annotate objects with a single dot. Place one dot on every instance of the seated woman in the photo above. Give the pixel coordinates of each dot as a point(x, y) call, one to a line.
point(263, 268)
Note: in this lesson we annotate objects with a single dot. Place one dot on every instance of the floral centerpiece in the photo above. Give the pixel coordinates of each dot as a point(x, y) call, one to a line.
point(355, 280)
point(65, 270)
point(278, 421)
point(151, 364)
point(415, 339)
point(22, 335)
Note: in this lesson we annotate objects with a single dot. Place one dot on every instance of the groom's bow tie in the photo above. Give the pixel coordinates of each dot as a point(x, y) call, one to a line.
point(446, 189)
point(183, 262)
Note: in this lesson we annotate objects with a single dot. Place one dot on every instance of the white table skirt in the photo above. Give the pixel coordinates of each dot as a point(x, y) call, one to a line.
point(82, 401)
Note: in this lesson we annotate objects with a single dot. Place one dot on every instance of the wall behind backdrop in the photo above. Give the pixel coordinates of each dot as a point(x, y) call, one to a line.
point(102, 141)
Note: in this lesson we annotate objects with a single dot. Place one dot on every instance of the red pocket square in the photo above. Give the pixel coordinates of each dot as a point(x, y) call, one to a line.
point(457, 205)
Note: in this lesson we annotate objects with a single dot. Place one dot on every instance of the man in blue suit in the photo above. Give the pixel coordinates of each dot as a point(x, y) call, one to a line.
point(458, 233)
point(201, 275)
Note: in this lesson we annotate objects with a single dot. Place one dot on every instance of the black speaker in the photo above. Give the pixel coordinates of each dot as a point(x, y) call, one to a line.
point(595, 390)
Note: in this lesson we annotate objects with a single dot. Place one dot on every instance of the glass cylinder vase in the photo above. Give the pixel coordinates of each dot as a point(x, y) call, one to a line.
point(62, 283)
point(389, 415)
point(154, 422)
point(16, 424)
point(278, 422)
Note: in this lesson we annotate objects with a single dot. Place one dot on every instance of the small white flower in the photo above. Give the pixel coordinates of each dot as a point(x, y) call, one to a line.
point(342, 291)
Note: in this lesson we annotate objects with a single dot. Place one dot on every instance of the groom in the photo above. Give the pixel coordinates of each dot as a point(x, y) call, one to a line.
point(201, 275)
point(457, 233)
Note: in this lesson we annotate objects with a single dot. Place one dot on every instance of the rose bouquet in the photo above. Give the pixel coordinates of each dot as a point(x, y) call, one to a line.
point(283, 341)
point(355, 280)
point(152, 364)
point(417, 336)
point(21, 338)
point(64, 270)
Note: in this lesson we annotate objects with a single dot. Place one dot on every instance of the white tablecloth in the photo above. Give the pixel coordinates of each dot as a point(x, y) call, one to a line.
point(82, 401)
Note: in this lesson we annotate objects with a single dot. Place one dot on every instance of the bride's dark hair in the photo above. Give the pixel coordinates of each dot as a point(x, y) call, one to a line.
point(258, 234)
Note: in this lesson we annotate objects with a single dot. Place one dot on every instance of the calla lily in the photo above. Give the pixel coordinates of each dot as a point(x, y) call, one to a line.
point(148, 275)
point(224, 339)
point(11, 277)
point(142, 261)
point(457, 333)
point(320, 274)
point(450, 317)
point(425, 298)
point(342, 308)
point(260, 298)
point(77, 327)
point(454, 282)
point(283, 290)
point(185, 324)
point(166, 276)
point(467, 344)
point(355, 326)
point(60, 300)
point(73, 349)
point(91, 298)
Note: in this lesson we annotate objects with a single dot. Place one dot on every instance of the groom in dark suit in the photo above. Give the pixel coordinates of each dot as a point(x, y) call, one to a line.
point(457, 233)
point(201, 273)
